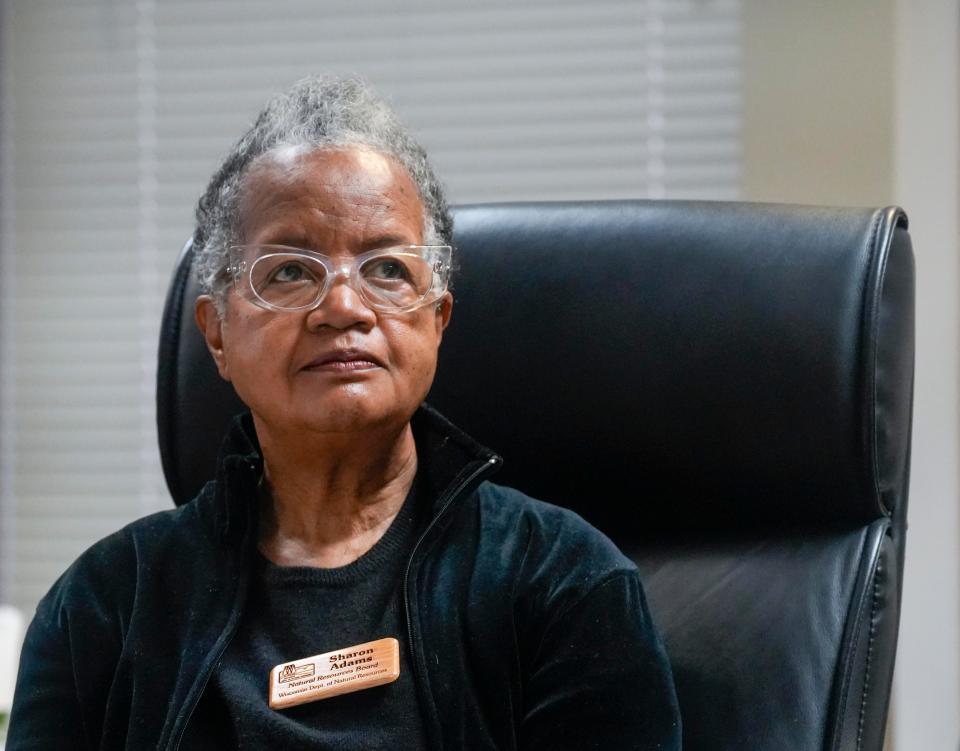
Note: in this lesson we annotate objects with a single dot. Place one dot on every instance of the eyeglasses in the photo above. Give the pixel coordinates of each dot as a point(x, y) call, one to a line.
point(390, 280)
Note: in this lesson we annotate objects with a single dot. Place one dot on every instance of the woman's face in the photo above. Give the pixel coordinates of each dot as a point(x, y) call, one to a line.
point(341, 367)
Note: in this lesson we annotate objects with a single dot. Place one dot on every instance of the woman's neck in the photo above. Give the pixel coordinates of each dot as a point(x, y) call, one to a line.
point(331, 497)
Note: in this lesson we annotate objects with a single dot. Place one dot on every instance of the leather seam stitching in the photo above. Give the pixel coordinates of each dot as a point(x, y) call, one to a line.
point(870, 640)
point(847, 668)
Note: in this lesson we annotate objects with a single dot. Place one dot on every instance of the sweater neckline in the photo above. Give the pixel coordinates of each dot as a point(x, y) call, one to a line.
point(230, 502)
point(394, 542)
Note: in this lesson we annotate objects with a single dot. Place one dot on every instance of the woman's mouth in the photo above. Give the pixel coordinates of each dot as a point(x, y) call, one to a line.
point(343, 361)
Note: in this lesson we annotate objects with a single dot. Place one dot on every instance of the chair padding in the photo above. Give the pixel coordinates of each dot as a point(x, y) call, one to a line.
point(709, 363)
point(763, 630)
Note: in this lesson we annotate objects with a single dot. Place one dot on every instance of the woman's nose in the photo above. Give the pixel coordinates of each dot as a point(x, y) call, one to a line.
point(341, 307)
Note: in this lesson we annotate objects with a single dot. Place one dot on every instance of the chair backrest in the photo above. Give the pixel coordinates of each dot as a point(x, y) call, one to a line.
point(725, 389)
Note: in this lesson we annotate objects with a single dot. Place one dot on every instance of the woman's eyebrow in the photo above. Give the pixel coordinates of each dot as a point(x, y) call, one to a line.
point(384, 241)
point(295, 238)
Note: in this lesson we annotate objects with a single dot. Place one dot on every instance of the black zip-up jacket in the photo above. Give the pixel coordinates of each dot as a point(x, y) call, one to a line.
point(527, 627)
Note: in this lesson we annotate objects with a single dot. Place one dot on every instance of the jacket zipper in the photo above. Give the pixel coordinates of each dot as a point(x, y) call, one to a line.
point(231, 627)
point(203, 687)
point(485, 467)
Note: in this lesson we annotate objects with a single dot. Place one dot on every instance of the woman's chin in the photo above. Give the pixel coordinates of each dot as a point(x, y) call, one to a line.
point(346, 413)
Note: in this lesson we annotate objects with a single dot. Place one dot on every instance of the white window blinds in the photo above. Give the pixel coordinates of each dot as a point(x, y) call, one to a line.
point(115, 114)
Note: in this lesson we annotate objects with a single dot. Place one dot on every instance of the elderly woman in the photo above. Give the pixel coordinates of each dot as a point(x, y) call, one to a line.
point(351, 579)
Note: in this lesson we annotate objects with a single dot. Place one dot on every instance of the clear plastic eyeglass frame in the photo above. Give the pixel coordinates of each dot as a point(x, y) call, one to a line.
point(247, 260)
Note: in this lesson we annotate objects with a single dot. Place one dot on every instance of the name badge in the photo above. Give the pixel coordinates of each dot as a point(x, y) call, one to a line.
point(341, 671)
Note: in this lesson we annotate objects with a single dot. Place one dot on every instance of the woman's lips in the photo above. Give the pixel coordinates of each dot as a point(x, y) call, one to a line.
point(343, 361)
point(342, 365)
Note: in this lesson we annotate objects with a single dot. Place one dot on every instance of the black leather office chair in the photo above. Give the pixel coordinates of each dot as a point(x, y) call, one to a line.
point(725, 389)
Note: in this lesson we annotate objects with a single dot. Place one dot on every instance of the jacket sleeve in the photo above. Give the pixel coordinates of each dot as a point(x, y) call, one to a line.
point(71, 651)
point(46, 711)
point(600, 678)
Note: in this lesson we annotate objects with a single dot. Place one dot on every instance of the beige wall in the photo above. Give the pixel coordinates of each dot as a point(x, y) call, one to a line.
point(927, 698)
point(855, 103)
point(818, 101)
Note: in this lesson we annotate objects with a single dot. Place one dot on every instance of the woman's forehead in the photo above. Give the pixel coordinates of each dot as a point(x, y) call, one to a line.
point(329, 190)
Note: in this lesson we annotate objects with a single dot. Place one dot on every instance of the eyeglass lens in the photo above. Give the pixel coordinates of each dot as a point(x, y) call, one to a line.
point(288, 280)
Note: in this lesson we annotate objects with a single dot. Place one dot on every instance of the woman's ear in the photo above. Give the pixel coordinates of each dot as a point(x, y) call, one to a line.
point(211, 326)
point(444, 307)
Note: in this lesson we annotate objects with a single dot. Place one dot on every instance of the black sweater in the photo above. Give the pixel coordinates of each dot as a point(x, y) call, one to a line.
point(297, 611)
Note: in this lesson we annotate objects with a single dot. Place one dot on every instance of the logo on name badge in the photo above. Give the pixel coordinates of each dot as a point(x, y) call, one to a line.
point(291, 672)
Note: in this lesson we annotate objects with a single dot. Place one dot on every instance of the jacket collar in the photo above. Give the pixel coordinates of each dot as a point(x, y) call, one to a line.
point(445, 455)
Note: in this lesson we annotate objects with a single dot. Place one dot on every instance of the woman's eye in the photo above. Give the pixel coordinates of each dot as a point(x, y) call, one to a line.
point(289, 272)
point(387, 268)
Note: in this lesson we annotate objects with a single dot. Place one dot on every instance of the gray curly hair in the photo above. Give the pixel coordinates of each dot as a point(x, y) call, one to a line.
point(315, 113)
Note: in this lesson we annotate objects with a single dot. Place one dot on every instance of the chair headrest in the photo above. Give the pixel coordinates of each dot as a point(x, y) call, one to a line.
point(674, 363)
